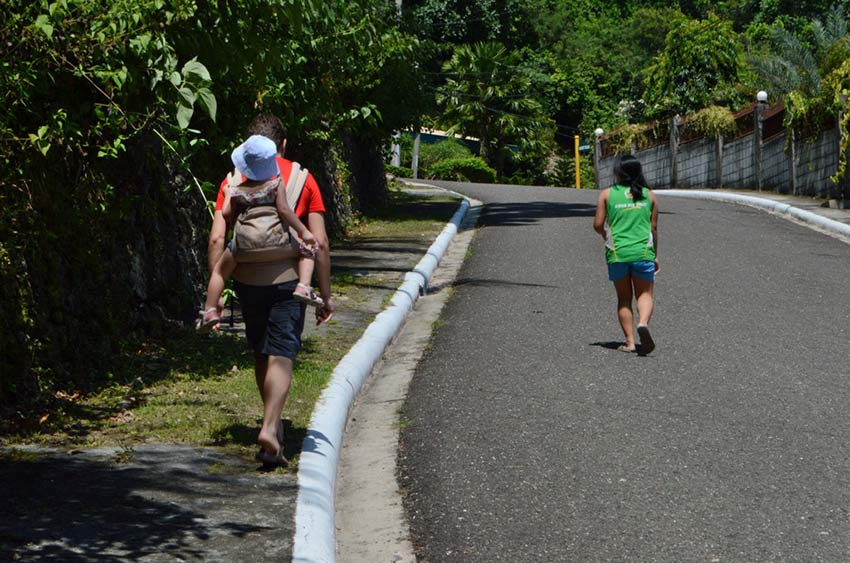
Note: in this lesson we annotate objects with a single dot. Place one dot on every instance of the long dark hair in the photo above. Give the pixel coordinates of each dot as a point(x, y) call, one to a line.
point(628, 172)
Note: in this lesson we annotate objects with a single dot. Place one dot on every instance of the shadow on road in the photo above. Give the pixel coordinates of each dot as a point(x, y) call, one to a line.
point(510, 214)
point(486, 282)
point(70, 508)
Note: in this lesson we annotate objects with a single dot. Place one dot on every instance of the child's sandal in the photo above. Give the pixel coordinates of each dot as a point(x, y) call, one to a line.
point(307, 251)
point(207, 320)
point(308, 297)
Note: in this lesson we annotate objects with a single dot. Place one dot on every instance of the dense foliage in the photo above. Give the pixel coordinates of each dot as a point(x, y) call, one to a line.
point(592, 63)
point(116, 122)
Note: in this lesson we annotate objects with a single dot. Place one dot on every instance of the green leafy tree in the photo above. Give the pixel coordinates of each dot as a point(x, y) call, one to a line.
point(485, 97)
point(701, 63)
point(466, 21)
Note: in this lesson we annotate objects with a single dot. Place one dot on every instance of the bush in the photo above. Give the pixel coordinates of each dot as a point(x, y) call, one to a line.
point(398, 171)
point(470, 169)
point(429, 155)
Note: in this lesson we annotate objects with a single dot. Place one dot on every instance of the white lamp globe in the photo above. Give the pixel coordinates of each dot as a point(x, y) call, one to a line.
point(599, 131)
point(761, 96)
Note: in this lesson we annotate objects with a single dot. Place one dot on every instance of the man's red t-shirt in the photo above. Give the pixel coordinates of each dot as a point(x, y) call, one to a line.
point(310, 200)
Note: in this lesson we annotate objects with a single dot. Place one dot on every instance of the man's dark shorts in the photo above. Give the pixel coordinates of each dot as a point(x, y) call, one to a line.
point(273, 319)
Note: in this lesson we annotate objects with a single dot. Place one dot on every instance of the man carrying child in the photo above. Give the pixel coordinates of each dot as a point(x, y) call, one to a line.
point(274, 319)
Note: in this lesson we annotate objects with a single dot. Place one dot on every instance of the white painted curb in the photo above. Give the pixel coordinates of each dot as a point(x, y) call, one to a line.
point(315, 531)
point(767, 204)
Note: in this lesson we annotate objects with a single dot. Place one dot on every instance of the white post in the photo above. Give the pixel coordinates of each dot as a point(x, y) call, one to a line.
point(415, 160)
point(396, 151)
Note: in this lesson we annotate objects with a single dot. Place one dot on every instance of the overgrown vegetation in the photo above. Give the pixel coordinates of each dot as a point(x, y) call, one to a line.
point(116, 122)
point(713, 121)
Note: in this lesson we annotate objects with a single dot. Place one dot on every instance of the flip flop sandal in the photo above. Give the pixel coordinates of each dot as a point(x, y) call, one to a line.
point(647, 344)
point(624, 348)
point(311, 298)
point(207, 320)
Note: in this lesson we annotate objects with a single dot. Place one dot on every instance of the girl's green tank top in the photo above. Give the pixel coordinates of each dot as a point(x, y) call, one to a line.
point(628, 227)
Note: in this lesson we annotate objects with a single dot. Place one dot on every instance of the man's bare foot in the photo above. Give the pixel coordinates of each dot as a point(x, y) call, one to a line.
point(268, 441)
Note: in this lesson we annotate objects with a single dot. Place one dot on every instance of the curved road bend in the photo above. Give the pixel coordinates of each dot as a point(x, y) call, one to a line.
point(529, 439)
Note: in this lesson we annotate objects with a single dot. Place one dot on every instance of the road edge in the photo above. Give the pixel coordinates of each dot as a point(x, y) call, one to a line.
point(315, 532)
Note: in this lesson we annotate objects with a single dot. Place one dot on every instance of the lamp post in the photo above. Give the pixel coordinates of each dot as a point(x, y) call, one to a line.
point(597, 148)
point(761, 105)
point(842, 139)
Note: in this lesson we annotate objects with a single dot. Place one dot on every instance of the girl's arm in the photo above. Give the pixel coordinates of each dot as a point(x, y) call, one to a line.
point(653, 218)
point(601, 211)
point(653, 225)
point(291, 218)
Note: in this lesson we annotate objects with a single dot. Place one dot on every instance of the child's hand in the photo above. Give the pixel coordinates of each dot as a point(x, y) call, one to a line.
point(309, 240)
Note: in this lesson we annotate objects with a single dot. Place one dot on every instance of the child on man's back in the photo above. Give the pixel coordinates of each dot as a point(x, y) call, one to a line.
point(263, 186)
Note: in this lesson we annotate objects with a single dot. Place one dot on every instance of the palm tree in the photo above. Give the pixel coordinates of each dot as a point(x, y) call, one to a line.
point(486, 96)
point(794, 66)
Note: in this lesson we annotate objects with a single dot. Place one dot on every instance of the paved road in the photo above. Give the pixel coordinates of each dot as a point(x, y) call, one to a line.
point(530, 439)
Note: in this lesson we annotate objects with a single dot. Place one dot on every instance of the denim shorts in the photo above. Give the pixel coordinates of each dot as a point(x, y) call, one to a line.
point(644, 269)
point(273, 319)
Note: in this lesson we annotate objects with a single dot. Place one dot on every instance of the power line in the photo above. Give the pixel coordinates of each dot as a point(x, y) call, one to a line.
point(473, 96)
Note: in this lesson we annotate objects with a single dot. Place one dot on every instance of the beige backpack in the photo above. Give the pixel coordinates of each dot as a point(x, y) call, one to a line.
point(260, 234)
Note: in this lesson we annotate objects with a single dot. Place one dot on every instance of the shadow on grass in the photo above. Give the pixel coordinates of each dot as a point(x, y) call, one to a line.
point(139, 364)
point(244, 435)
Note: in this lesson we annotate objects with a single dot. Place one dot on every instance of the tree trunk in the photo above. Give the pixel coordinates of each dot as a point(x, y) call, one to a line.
point(368, 179)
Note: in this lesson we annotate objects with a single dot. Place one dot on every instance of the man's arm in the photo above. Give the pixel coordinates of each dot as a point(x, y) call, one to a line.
point(316, 224)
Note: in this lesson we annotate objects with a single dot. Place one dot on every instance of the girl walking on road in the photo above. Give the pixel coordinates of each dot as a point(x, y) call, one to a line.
point(627, 218)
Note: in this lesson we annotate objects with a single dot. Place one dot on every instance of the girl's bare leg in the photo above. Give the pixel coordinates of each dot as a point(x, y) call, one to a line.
point(644, 298)
point(223, 270)
point(624, 309)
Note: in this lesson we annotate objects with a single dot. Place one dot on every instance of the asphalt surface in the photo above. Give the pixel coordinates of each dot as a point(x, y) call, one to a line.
point(529, 438)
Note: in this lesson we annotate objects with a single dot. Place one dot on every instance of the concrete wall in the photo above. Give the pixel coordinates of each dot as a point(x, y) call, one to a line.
point(697, 164)
point(817, 161)
point(738, 170)
point(775, 167)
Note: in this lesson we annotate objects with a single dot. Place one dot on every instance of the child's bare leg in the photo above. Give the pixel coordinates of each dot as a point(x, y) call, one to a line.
point(222, 270)
point(305, 270)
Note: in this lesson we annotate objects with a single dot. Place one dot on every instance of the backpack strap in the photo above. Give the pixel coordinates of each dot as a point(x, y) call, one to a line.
point(297, 179)
point(294, 187)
